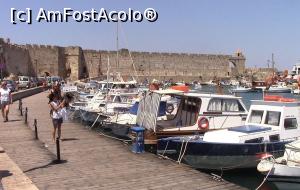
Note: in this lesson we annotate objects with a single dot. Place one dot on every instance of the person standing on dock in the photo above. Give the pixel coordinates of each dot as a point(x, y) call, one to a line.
point(56, 106)
point(5, 100)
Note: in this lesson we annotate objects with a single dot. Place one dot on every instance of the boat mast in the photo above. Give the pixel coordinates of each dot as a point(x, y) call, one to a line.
point(273, 64)
point(107, 78)
point(117, 45)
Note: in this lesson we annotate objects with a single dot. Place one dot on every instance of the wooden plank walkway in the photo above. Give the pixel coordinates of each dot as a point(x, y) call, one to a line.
point(91, 161)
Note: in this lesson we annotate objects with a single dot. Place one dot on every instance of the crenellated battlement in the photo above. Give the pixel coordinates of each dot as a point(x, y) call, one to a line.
point(57, 60)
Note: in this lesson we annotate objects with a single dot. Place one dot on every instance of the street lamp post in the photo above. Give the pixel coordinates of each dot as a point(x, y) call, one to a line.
point(1, 61)
point(36, 68)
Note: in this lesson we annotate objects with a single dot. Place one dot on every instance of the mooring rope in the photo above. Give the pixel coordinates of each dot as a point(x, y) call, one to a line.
point(265, 178)
point(184, 150)
point(116, 138)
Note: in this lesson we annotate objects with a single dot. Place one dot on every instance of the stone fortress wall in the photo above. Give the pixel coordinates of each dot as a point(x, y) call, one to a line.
point(76, 63)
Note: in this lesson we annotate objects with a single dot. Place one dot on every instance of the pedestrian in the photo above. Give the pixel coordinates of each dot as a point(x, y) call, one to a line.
point(56, 105)
point(56, 89)
point(5, 100)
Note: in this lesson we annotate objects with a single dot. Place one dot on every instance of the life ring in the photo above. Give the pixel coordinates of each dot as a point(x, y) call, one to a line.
point(203, 123)
point(170, 108)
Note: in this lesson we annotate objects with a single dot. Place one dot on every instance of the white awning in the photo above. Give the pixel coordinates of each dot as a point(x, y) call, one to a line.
point(148, 110)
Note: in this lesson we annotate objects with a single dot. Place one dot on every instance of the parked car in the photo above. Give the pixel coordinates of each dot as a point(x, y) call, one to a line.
point(12, 85)
point(53, 79)
point(41, 81)
point(24, 82)
point(33, 82)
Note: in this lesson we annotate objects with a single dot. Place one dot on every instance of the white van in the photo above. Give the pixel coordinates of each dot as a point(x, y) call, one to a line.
point(24, 82)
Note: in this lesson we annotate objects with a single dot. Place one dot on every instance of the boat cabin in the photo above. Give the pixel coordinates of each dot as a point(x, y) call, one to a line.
point(267, 121)
point(110, 103)
point(194, 113)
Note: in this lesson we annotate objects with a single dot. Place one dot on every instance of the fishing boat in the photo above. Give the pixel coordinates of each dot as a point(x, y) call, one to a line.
point(259, 85)
point(280, 87)
point(121, 123)
point(283, 170)
point(210, 83)
point(296, 91)
point(240, 89)
point(106, 105)
point(195, 113)
point(270, 124)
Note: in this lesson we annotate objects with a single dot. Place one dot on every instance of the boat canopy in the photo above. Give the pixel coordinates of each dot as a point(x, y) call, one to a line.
point(148, 110)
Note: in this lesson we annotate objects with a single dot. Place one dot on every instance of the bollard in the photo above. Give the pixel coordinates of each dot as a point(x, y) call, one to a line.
point(20, 104)
point(35, 129)
point(26, 114)
point(21, 109)
point(57, 149)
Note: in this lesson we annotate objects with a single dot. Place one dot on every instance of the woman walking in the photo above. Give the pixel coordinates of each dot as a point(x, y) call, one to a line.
point(5, 100)
point(56, 106)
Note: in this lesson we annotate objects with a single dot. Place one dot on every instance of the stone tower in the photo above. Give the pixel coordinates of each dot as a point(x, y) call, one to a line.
point(73, 62)
point(238, 60)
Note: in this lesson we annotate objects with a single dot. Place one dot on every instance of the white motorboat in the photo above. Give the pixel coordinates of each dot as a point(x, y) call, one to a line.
point(120, 123)
point(196, 113)
point(285, 169)
point(107, 105)
point(280, 87)
point(269, 126)
point(240, 89)
point(296, 91)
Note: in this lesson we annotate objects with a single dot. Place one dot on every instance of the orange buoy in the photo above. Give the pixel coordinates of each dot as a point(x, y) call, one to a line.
point(272, 98)
point(181, 88)
point(287, 100)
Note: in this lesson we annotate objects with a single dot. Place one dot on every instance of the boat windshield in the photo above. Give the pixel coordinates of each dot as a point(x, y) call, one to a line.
point(256, 116)
point(273, 118)
point(225, 105)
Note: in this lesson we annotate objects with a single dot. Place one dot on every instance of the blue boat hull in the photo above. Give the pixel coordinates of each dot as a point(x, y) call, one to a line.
point(209, 155)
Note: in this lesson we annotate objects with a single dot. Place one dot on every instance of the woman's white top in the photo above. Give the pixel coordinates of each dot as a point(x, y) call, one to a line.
point(4, 94)
point(56, 114)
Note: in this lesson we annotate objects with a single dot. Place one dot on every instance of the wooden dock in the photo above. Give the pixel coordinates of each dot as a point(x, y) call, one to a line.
point(90, 161)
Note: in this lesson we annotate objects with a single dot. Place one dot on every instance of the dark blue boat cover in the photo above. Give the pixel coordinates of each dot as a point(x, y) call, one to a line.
point(133, 110)
point(161, 111)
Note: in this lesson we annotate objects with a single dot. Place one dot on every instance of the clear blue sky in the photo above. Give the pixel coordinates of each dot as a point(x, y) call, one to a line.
point(257, 27)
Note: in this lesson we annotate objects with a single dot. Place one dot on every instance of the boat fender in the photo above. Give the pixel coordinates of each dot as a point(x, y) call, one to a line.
point(203, 123)
point(170, 108)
